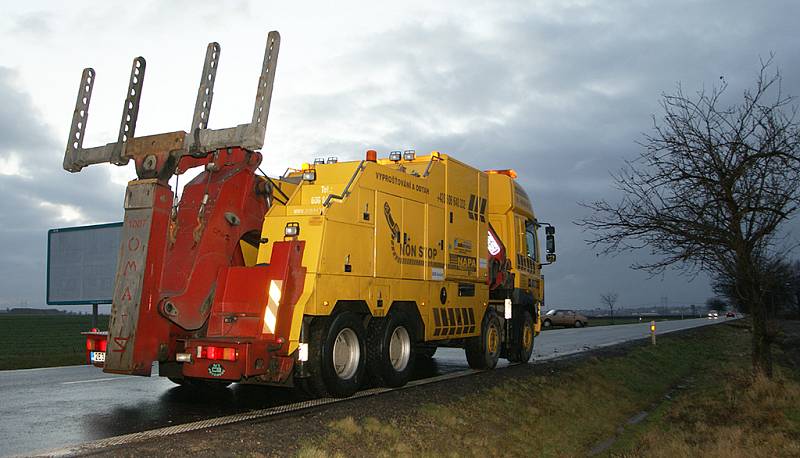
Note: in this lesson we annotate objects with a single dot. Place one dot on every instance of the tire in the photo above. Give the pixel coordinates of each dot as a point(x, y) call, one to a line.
point(314, 385)
point(578, 324)
point(546, 324)
point(483, 351)
point(390, 350)
point(336, 356)
point(523, 349)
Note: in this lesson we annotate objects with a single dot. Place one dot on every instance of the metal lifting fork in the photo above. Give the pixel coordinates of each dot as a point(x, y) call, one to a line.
point(157, 156)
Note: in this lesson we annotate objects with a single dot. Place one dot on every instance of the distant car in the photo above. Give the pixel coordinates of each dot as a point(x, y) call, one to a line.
point(730, 315)
point(713, 314)
point(567, 318)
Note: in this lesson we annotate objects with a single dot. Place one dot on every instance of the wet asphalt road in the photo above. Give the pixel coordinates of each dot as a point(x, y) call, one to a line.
point(42, 409)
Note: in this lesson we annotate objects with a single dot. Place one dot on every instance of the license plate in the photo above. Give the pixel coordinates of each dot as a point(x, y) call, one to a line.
point(97, 356)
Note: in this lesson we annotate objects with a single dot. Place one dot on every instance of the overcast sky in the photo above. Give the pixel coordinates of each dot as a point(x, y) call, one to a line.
point(558, 90)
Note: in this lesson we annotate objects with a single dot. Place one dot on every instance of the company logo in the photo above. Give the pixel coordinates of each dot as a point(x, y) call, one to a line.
point(393, 226)
point(477, 207)
point(403, 250)
point(216, 370)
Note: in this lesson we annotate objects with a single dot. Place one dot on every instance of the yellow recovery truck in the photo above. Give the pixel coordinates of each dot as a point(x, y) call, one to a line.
point(404, 255)
point(330, 275)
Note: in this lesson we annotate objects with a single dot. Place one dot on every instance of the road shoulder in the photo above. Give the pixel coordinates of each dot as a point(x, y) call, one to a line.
point(506, 411)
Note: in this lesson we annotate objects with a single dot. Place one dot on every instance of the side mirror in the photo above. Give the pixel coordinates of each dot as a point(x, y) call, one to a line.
point(550, 232)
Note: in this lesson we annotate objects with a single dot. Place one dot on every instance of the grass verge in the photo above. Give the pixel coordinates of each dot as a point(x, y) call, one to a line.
point(724, 412)
point(569, 413)
point(44, 340)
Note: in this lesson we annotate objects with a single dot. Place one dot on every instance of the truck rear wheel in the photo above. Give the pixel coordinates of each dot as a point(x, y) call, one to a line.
point(336, 357)
point(483, 351)
point(523, 348)
point(390, 349)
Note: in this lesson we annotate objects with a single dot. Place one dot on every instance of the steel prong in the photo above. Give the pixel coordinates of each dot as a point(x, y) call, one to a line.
point(79, 119)
point(130, 111)
point(205, 92)
point(264, 93)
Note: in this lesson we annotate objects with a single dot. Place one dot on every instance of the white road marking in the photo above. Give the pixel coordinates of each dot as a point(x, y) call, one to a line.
point(9, 371)
point(94, 380)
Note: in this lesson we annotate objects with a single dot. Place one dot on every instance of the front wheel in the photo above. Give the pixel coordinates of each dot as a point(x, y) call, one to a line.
point(483, 351)
point(578, 324)
point(390, 349)
point(336, 357)
point(547, 323)
point(523, 349)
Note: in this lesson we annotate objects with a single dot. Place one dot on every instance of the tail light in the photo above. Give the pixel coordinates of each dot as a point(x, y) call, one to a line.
point(95, 343)
point(218, 353)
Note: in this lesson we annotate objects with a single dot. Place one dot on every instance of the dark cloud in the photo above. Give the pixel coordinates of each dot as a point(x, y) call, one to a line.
point(559, 92)
point(562, 98)
point(35, 192)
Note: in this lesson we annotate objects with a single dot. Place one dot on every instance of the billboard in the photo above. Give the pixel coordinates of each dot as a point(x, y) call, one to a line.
point(82, 263)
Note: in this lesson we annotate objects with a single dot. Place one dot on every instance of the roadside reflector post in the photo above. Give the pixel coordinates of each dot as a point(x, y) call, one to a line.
point(653, 332)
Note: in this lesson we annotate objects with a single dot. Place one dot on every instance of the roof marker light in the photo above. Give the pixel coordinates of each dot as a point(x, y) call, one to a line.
point(507, 172)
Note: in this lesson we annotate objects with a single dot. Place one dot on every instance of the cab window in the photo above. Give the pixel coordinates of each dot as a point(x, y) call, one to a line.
point(530, 239)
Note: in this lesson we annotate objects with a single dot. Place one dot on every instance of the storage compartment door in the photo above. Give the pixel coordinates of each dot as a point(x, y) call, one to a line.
point(388, 236)
point(435, 244)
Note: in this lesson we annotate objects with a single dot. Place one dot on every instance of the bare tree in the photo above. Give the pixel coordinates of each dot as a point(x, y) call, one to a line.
point(709, 191)
point(610, 300)
point(715, 303)
point(777, 284)
point(794, 281)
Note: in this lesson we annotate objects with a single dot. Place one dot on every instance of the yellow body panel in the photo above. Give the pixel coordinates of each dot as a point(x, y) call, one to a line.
point(401, 232)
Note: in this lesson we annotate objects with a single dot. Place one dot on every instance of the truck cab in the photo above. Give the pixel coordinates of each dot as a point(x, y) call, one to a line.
point(512, 216)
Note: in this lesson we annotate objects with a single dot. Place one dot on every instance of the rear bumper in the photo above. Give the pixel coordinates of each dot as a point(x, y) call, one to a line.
point(255, 360)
